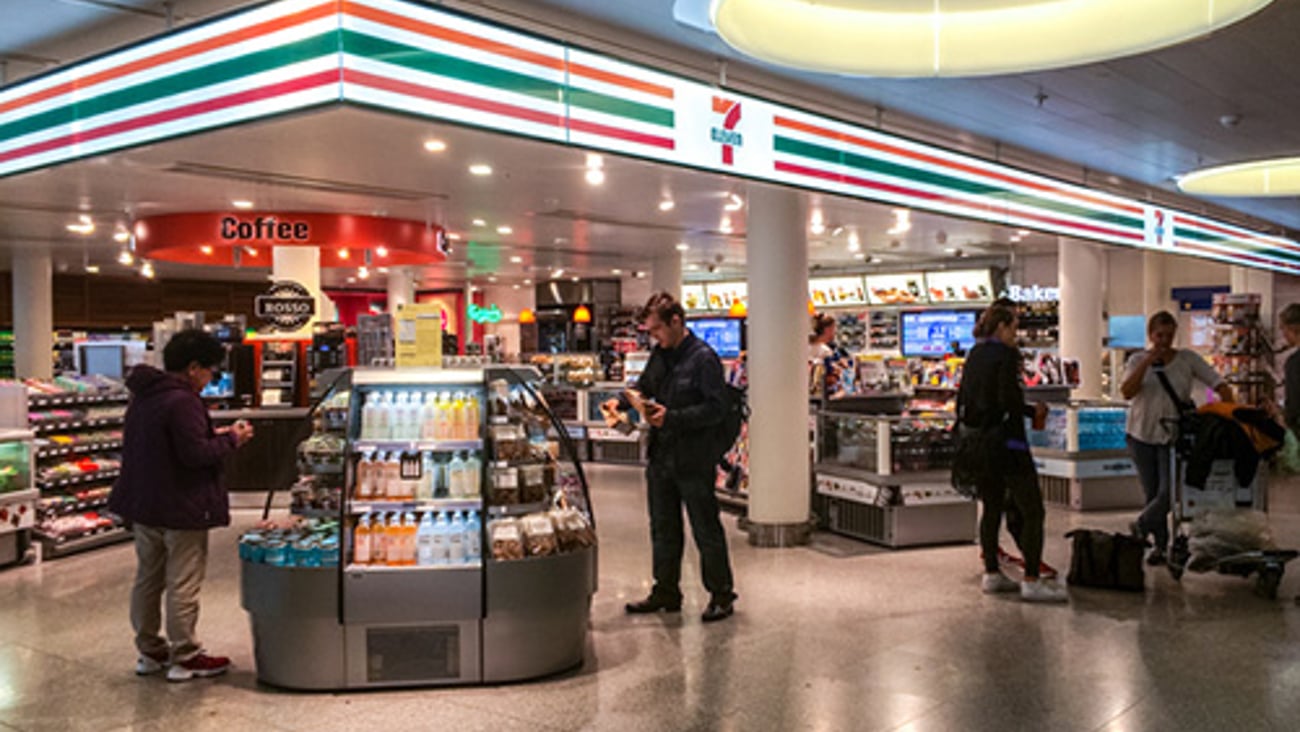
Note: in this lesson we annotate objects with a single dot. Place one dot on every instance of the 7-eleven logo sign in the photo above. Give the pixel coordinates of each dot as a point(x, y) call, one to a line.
point(726, 135)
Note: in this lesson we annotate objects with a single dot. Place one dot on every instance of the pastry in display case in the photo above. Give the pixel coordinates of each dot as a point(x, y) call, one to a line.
point(463, 549)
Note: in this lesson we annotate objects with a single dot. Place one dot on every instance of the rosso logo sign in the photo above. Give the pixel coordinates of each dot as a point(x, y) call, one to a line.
point(286, 306)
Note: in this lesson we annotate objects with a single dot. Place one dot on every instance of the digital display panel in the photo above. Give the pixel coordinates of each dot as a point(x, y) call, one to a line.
point(933, 332)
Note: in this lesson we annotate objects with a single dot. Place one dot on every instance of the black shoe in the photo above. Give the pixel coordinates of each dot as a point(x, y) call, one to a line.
point(653, 604)
point(1156, 558)
point(718, 610)
point(1136, 531)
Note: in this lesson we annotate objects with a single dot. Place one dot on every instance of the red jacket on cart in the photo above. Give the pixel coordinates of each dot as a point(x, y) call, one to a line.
point(171, 457)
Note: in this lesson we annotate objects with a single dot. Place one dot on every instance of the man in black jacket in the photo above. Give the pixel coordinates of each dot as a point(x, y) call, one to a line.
point(683, 401)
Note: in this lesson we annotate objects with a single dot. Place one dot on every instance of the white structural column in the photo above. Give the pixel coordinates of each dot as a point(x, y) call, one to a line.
point(777, 260)
point(667, 274)
point(1080, 270)
point(1155, 295)
point(401, 288)
point(301, 265)
point(33, 286)
point(1258, 282)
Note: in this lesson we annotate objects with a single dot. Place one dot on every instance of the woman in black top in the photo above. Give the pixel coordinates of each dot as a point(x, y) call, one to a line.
point(992, 398)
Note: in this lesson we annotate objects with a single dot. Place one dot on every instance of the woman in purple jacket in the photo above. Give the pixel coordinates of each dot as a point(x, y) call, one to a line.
point(170, 490)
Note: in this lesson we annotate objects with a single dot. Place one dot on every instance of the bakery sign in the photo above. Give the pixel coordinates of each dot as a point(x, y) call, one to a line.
point(287, 306)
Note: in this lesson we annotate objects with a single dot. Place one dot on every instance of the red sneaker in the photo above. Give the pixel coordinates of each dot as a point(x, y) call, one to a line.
point(200, 666)
point(1006, 559)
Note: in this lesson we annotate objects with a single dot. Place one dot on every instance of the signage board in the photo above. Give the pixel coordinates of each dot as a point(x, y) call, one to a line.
point(286, 307)
point(959, 286)
point(907, 288)
point(835, 291)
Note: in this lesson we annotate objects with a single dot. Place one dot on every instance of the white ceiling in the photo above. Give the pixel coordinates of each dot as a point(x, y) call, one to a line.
point(1144, 118)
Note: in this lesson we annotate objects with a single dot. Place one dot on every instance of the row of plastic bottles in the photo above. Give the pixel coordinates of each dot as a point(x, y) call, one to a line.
point(402, 540)
point(420, 415)
point(379, 476)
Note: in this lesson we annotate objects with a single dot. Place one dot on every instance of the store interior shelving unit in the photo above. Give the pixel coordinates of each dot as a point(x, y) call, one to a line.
point(78, 456)
point(1243, 352)
point(517, 609)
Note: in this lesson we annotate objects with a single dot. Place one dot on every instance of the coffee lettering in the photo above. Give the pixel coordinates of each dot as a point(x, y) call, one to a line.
point(264, 228)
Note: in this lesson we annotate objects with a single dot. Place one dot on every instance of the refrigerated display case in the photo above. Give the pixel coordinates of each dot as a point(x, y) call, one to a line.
point(465, 543)
point(18, 494)
point(1082, 458)
point(885, 479)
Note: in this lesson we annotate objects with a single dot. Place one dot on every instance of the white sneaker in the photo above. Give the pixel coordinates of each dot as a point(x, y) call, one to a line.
point(147, 664)
point(995, 582)
point(1043, 591)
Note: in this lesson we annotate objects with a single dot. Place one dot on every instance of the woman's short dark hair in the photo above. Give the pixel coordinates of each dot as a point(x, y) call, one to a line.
point(993, 317)
point(192, 346)
point(1290, 315)
point(664, 306)
point(1161, 319)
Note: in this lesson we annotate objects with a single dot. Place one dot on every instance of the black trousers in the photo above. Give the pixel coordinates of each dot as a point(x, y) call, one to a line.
point(1015, 494)
point(667, 490)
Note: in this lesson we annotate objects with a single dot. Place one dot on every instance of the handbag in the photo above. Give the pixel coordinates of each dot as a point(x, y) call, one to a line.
point(1106, 560)
point(1187, 417)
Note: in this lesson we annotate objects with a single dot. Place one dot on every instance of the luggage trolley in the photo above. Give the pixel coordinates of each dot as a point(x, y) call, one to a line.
point(1222, 490)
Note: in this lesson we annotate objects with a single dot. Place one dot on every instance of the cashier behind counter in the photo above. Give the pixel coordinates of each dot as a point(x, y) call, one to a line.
point(268, 461)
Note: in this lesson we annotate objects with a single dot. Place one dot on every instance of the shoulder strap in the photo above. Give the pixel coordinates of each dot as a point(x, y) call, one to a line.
point(1169, 389)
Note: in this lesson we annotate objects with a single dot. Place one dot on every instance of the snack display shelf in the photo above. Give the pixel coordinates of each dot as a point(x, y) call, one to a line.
point(62, 545)
point(42, 428)
point(50, 507)
point(79, 480)
point(518, 605)
point(74, 449)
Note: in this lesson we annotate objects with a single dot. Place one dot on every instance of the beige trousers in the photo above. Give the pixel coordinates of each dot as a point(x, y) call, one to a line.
point(173, 560)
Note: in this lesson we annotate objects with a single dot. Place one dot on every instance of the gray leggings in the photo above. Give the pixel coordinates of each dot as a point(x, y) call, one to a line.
point(1017, 495)
point(1152, 463)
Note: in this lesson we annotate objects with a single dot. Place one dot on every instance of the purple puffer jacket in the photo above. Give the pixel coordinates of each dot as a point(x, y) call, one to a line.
point(171, 458)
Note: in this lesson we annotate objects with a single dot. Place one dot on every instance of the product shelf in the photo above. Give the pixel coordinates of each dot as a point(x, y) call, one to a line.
point(68, 508)
point(415, 445)
point(437, 504)
point(75, 400)
point(78, 480)
point(49, 452)
point(61, 545)
point(44, 428)
point(410, 568)
point(518, 509)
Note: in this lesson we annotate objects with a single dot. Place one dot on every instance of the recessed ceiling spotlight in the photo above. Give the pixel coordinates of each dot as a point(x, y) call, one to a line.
point(252, 251)
point(595, 176)
point(381, 251)
point(902, 222)
point(84, 226)
point(515, 287)
point(1022, 232)
point(453, 237)
point(639, 274)
point(557, 274)
point(528, 282)
point(575, 278)
point(693, 267)
point(352, 280)
point(725, 225)
point(92, 269)
point(616, 271)
point(125, 258)
point(951, 250)
point(682, 246)
point(435, 145)
point(837, 231)
point(860, 255)
point(480, 169)
point(479, 223)
point(516, 259)
point(206, 249)
point(121, 236)
point(383, 270)
point(363, 272)
point(667, 205)
point(874, 260)
point(146, 270)
point(492, 278)
point(855, 244)
point(505, 230)
point(242, 204)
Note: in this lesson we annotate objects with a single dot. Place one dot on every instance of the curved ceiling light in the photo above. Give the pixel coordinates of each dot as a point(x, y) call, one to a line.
point(1275, 177)
point(912, 38)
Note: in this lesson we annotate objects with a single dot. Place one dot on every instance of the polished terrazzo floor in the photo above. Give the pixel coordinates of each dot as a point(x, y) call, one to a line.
point(837, 636)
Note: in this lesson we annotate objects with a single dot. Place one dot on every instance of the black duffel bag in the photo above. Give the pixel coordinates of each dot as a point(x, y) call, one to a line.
point(1106, 560)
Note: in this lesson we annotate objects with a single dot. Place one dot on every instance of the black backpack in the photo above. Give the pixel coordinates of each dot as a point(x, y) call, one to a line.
point(735, 412)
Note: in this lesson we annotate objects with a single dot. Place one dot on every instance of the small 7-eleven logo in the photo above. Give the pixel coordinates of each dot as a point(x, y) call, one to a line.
point(726, 135)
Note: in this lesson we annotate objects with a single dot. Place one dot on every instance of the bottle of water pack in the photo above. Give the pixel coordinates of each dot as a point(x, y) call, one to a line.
point(456, 540)
point(473, 538)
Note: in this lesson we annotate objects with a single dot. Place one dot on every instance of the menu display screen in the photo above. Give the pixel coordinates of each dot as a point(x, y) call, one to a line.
point(722, 295)
point(693, 297)
point(831, 291)
point(722, 334)
point(897, 289)
point(965, 285)
point(933, 332)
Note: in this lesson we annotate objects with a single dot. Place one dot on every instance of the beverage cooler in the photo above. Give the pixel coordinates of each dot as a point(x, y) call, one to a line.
point(1083, 459)
point(463, 551)
point(18, 494)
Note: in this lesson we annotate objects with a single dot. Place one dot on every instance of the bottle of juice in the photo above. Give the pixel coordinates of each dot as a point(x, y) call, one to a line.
point(424, 541)
point(473, 538)
point(442, 430)
point(441, 551)
point(409, 529)
point(378, 539)
point(456, 540)
point(393, 476)
point(361, 541)
point(456, 476)
point(429, 417)
point(458, 426)
point(396, 539)
point(473, 475)
point(424, 484)
point(473, 413)
point(365, 484)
